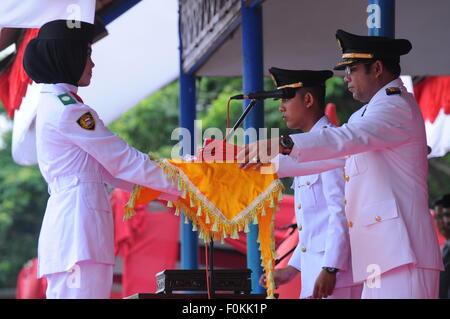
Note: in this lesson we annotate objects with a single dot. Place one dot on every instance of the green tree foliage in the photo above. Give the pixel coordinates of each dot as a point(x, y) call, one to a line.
point(149, 125)
point(23, 198)
point(438, 177)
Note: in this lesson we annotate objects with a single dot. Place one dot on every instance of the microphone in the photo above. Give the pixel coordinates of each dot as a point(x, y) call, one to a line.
point(286, 93)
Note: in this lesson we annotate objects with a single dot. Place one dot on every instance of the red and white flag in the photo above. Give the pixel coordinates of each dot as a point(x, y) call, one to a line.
point(433, 96)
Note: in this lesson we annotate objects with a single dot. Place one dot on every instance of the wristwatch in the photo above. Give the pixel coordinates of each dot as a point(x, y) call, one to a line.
point(286, 145)
point(330, 270)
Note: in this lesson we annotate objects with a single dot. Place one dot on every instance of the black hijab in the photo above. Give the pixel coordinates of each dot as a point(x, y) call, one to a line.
point(59, 53)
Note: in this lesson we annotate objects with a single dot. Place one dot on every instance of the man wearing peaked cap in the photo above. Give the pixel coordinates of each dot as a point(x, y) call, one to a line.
point(77, 154)
point(394, 247)
point(323, 252)
point(357, 48)
point(299, 78)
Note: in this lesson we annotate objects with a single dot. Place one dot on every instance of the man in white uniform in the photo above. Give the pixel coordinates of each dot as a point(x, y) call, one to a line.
point(393, 243)
point(77, 154)
point(323, 252)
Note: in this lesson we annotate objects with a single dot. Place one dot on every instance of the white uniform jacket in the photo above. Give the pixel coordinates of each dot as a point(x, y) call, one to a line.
point(320, 214)
point(386, 182)
point(76, 162)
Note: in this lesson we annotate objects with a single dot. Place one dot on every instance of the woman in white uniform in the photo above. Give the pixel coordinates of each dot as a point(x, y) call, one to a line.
point(77, 155)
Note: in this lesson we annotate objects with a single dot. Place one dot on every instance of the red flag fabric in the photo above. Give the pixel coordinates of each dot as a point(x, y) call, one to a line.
point(28, 285)
point(14, 81)
point(292, 289)
point(330, 112)
point(433, 95)
point(147, 243)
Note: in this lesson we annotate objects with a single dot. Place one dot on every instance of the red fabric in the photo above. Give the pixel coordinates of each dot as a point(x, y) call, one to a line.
point(14, 81)
point(433, 94)
point(28, 285)
point(330, 112)
point(214, 150)
point(147, 243)
point(79, 99)
point(290, 290)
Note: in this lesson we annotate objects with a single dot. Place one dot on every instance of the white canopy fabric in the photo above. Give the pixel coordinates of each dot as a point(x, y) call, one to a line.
point(34, 13)
point(139, 56)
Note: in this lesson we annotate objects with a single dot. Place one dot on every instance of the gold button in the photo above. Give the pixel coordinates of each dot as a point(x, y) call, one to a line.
point(300, 227)
point(347, 178)
point(378, 219)
point(345, 202)
point(303, 249)
point(299, 206)
point(350, 224)
point(347, 157)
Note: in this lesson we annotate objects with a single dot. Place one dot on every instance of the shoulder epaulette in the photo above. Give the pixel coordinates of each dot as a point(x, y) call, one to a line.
point(66, 99)
point(393, 91)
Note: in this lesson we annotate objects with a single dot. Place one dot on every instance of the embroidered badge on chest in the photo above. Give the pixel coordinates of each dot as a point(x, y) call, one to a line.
point(87, 121)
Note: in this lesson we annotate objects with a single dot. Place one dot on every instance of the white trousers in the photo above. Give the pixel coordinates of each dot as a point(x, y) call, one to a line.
point(404, 282)
point(353, 292)
point(85, 280)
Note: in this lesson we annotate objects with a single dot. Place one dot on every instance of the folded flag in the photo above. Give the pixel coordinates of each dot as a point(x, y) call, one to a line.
point(221, 200)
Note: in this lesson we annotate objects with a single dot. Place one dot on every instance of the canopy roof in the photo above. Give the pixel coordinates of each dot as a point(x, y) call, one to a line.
point(301, 34)
point(140, 54)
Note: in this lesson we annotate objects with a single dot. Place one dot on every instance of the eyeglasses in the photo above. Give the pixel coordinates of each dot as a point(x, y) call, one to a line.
point(350, 69)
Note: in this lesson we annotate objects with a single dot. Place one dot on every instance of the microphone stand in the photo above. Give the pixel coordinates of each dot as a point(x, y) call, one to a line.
point(211, 267)
point(241, 119)
point(211, 243)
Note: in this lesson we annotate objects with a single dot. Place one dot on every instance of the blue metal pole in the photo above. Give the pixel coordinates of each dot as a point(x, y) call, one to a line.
point(381, 18)
point(118, 10)
point(189, 248)
point(252, 47)
point(188, 238)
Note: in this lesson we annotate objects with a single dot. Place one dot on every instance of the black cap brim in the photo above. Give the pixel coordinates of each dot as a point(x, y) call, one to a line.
point(342, 65)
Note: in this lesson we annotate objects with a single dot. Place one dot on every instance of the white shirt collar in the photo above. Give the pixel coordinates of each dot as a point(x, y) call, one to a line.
point(382, 92)
point(59, 87)
point(323, 121)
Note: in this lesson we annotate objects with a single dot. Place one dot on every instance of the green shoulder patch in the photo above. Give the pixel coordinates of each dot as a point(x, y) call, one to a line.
point(66, 99)
point(87, 121)
point(393, 91)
